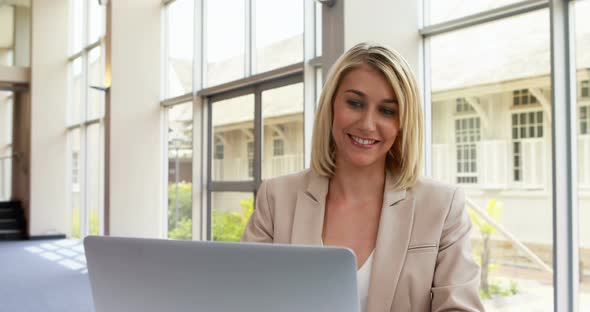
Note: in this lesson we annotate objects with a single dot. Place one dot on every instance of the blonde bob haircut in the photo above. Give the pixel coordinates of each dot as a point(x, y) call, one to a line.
point(404, 159)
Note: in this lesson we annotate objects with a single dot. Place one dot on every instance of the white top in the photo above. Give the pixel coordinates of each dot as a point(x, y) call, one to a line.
point(363, 276)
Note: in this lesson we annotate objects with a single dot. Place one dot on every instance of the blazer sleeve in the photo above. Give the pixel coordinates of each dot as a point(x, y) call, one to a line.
point(456, 277)
point(260, 226)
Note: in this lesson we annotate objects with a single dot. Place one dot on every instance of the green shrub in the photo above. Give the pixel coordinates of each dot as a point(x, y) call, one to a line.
point(182, 230)
point(229, 226)
point(94, 226)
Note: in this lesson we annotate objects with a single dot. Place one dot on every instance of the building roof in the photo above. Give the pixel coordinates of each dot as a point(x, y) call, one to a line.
point(505, 50)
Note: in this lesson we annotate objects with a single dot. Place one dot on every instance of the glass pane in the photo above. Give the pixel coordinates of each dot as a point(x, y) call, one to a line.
point(230, 213)
point(278, 33)
point(282, 143)
point(75, 167)
point(180, 171)
point(95, 78)
point(76, 85)
point(15, 33)
point(318, 29)
point(582, 37)
point(512, 169)
point(94, 171)
point(225, 57)
point(6, 115)
point(233, 128)
point(7, 17)
point(96, 14)
point(440, 11)
point(179, 66)
point(76, 26)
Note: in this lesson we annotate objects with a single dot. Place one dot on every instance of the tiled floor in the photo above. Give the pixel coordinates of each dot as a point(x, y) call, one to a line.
point(46, 275)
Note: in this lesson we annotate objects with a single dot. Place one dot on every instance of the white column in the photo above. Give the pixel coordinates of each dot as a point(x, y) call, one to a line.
point(49, 94)
point(136, 158)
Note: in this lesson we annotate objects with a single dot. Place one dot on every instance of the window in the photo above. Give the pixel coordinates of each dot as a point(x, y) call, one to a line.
point(463, 106)
point(178, 78)
point(581, 13)
point(259, 142)
point(225, 59)
point(502, 150)
point(180, 171)
point(523, 98)
point(278, 147)
point(282, 117)
point(233, 120)
point(243, 147)
point(585, 119)
point(441, 11)
point(526, 125)
point(250, 153)
point(219, 150)
point(15, 33)
point(86, 116)
point(467, 134)
point(75, 171)
point(278, 31)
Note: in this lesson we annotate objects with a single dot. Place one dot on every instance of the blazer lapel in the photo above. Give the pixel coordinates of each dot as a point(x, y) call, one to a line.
point(393, 238)
point(308, 221)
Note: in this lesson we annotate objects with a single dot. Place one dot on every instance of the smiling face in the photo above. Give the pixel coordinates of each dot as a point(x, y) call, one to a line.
point(366, 118)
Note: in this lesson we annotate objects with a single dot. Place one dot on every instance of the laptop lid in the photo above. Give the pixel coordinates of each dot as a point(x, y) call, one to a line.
point(131, 274)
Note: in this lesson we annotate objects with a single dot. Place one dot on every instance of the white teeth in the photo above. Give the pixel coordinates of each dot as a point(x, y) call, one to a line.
point(362, 141)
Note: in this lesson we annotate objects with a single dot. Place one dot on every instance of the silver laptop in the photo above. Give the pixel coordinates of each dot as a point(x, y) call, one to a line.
point(131, 274)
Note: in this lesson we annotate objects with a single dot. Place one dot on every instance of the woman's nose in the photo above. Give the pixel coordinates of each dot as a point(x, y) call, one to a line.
point(368, 121)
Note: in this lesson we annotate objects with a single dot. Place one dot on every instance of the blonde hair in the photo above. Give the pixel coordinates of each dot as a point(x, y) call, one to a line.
point(404, 159)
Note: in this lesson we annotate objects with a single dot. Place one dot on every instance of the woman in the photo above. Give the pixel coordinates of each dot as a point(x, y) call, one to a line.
point(410, 234)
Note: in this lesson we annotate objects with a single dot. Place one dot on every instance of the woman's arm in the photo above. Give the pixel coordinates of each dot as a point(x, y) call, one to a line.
point(456, 277)
point(260, 226)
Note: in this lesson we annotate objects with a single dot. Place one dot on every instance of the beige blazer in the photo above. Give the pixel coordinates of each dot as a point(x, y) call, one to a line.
point(423, 259)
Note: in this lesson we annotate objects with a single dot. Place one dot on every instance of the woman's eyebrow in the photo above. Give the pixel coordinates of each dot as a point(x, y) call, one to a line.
point(357, 92)
point(361, 94)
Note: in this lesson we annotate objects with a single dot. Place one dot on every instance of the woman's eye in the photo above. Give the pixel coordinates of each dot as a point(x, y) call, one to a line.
point(388, 112)
point(354, 104)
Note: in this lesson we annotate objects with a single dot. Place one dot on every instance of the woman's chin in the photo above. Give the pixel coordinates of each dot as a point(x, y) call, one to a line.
point(363, 162)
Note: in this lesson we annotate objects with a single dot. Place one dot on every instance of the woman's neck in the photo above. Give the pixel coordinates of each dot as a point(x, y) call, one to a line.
point(351, 184)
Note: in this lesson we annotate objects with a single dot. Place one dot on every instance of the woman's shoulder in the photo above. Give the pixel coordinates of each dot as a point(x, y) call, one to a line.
point(290, 182)
point(432, 186)
point(432, 195)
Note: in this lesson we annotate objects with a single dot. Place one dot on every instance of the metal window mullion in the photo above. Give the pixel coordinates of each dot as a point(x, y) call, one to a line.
point(564, 149)
point(204, 36)
point(248, 36)
point(309, 77)
point(101, 178)
point(248, 82)
point(258, 133)
point(427, 108)
point(165, 169)
point(198, 27)
point(205, 165)
point(181, 99)
point(83, 182)
point(233, 186)
point(197, 171)
point(207, 155)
